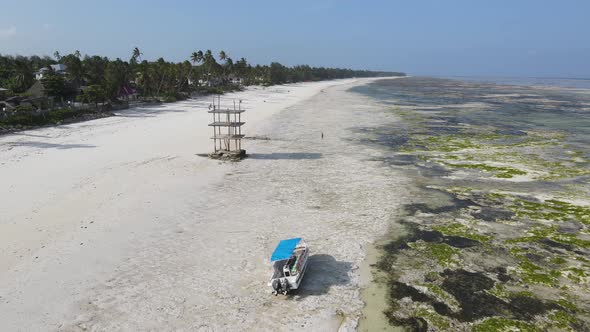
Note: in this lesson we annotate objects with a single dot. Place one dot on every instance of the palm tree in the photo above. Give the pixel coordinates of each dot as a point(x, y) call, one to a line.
point(77, 54)
point(209, 62)
point(228, 66)
point(136, 54)
point(195, 58)
point(222, 57)
point(57, 56)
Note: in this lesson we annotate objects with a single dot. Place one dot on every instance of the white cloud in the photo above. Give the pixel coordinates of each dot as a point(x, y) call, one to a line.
point(7, 32)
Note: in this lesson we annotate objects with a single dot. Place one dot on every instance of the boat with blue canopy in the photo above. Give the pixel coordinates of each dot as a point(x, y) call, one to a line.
point(289, 261)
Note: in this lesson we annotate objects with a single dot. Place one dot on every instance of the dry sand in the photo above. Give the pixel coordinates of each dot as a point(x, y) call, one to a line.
point(118, 224)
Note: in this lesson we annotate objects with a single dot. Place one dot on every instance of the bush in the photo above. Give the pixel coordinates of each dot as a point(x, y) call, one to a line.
point(52, 117)
point(170, 99)
point(24, 109)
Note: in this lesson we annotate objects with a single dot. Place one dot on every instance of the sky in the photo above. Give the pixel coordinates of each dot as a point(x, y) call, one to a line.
point(516, 38)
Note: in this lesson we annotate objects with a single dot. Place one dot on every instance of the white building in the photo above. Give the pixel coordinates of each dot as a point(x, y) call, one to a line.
point(58, 69)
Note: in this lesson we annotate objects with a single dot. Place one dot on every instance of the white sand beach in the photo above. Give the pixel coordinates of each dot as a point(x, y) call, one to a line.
point(118, 224)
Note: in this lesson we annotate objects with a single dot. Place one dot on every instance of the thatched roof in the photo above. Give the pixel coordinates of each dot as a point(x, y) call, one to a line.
point(36, 90)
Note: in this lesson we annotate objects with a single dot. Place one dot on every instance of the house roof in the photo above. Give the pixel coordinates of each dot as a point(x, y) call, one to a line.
point(127, 91)
point(36, 90)
point(59, 67)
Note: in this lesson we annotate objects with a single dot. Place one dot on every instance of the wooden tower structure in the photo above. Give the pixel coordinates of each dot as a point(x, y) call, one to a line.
point(227, 130)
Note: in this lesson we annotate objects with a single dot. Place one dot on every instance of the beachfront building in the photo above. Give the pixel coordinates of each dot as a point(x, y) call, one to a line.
point(128, 93)
point(58, 69)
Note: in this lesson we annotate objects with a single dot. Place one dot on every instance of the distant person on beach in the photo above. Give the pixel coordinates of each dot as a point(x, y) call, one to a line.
point(322, 135)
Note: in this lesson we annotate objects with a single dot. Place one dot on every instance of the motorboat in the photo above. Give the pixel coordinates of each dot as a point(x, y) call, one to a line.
point(289, 261)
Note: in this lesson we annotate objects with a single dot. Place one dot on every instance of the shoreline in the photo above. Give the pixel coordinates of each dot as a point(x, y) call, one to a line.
point(120, 246)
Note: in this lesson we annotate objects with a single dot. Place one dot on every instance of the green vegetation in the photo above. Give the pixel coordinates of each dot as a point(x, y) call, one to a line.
point(433, 318)
point(536, 234)
point(562, 320)
point(498, 171)
point(499, 291)
point(497, 324)
point(56, 116)
point(548, 210)
point(462, 230)
point(557, 260)
point(567, 305)
point(442, 252)
point(159, 78)
point(94, 80)
point(532, 273)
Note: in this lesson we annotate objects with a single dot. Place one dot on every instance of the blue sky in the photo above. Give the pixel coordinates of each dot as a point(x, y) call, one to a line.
point(452, 37)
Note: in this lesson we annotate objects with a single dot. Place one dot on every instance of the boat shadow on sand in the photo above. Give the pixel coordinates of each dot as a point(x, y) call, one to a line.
point(323, 272)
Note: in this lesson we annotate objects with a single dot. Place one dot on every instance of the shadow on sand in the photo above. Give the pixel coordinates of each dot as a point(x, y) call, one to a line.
point(32, 135)
point(146, 112)
point(278, 156)
point(323, 272)
point(42, 145)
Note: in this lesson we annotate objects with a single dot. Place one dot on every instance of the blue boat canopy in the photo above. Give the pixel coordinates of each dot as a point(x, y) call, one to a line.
point(285, 249)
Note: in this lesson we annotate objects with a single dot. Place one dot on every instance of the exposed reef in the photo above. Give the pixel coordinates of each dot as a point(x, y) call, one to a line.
point(497, 237)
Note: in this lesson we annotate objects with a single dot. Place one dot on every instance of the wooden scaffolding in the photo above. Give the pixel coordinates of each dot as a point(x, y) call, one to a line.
point(227, 128)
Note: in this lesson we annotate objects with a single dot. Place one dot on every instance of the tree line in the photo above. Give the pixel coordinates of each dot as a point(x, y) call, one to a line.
point(98, 78)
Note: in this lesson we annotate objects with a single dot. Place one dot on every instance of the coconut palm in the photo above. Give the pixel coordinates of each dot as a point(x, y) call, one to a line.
point(197, 57)
point(209, 62)
point(136, 54)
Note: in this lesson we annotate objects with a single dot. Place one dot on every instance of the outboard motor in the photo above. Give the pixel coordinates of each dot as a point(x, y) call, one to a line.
point(280, 286)
point(284, 286)
point(276, 285)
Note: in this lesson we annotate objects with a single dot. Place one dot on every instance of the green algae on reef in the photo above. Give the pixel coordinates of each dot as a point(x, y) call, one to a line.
point(507, 250)
point(496, 324)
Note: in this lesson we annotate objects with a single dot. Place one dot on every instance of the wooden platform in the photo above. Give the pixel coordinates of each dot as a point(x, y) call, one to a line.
point(218, 111)
point(226, 124)
point(235, 155)
point(226, 136)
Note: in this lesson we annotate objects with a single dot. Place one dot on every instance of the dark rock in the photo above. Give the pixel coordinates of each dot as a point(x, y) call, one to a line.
point(468, 288)
point(413, 324)
point(492, 214)
point(460, 242)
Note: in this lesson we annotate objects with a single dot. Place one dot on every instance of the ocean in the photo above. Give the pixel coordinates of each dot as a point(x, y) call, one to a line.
point(572, 83)
point(497, 234)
